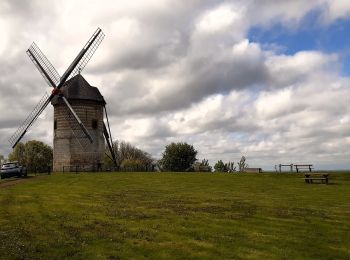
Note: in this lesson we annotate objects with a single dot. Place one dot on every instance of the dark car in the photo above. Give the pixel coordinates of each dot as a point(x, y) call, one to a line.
point(11, 169)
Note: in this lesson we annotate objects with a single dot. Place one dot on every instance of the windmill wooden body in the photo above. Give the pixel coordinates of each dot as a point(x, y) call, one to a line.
point(71, 147)
point(79, 109)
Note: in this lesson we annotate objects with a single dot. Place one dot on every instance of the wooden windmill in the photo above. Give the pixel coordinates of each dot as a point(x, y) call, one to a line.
point(79, 109)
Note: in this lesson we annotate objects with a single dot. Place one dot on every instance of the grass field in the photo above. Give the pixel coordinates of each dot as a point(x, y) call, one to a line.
point(175, 216)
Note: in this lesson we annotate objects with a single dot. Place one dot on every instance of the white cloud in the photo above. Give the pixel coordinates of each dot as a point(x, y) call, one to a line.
point(336, 9)
point(223, 18)
point(274, 104)
point(289, 69)
point(187, 71)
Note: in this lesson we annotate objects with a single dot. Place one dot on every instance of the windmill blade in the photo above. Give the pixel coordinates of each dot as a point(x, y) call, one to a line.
point(48, 71)
point(110, 145)
point(83, 128)
point(44, 66)
point(28, 122)
point(109, 140)
point(88, 50)
point(50, 74)
point(76, 129)
point(83, 57)
point(52, 77)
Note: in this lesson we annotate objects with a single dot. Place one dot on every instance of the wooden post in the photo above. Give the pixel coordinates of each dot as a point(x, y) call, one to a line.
point(280, 166)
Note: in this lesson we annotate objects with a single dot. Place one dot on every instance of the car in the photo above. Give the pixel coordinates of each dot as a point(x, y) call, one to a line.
point(11, 169)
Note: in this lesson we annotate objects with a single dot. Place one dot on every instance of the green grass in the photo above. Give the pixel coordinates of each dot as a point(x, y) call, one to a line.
point(175, 216)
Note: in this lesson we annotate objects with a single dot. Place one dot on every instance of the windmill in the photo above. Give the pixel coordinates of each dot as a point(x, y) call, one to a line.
point(79, 110)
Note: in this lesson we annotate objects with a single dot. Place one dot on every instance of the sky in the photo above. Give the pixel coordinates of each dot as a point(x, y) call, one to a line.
point(266, 79)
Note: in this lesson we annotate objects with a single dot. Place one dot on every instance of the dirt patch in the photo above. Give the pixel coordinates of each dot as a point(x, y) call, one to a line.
point(14, 181)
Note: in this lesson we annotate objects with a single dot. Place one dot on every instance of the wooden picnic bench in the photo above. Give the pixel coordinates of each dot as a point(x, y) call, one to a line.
point(322, 177)
point(307, 167)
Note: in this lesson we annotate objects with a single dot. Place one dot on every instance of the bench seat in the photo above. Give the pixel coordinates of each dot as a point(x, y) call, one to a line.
point(316, 177)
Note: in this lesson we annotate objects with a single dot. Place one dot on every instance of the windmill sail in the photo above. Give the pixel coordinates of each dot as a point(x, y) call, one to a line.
point(76, 129)
point(46, 69)
point(38, 109)
point(83, 128)
point(52, 77)
point(109, 140)
point(83, 57)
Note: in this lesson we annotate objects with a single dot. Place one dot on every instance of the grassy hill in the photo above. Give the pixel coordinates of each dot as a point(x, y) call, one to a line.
point(175, 216)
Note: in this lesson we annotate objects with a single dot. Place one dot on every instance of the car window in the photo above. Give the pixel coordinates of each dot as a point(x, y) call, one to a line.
point(9, 165)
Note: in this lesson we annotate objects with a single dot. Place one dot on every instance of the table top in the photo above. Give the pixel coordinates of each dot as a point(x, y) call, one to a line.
point(316, 174)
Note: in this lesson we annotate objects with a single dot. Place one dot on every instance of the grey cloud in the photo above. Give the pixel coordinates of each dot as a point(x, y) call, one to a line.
point(157, 79)
point(212, 70)
point(198, 79)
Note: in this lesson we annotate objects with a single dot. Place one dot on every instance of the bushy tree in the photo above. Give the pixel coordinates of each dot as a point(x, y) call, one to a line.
point(129, 157)
point(220, 166)
point(178, 157)
point(230, 167)
point(242, 164)
point(35, 155)
point(202, 166)
point(2, 159)
point(17, 154)
point(132, 165)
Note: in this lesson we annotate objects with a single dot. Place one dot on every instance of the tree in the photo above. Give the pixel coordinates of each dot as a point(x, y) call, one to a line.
point(132, 165)
point(202, 166)
point(35, 155)
point(220, 166)
point(129, 157)
point(2, 159)
point(230, 167)
point(38, 156)
point(178, 157)
point(242, 164)
point(18, 154)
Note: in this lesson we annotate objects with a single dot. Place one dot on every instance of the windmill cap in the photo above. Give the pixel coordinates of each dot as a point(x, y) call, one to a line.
point(77, 88)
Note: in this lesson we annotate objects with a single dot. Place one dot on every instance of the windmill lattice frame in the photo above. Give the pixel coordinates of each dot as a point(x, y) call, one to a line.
point(56, 81)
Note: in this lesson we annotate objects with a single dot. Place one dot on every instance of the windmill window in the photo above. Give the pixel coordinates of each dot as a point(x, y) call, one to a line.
point(55, 124)
point(94, 124)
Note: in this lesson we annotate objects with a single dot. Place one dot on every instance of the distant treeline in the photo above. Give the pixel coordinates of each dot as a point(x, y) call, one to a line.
point(178, 157)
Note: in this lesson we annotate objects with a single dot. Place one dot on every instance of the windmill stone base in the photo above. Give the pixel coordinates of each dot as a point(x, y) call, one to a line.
point(72, 150)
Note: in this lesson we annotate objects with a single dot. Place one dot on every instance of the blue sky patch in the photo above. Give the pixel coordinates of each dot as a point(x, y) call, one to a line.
point(311, 34)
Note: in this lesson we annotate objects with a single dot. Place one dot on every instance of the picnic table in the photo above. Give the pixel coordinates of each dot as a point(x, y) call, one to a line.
point(307, 167)
point(311, 177)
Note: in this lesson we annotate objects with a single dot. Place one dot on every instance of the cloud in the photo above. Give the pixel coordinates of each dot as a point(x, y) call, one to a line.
point(187, 71)
point(221, 19)
point(288, 12)
point(336, 9)
point(289, 69)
